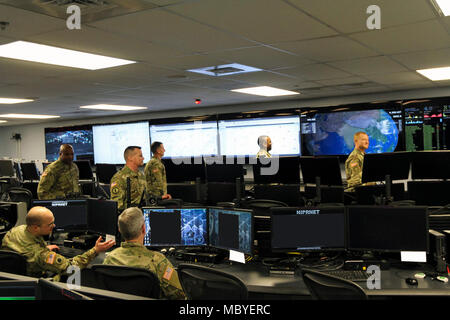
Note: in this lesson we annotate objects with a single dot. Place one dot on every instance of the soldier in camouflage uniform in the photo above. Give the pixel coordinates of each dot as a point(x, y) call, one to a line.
point(28, 241)
point(354, 162)
point(155, 173)
point(132, 253)
point(133, 160)
point(60, 178)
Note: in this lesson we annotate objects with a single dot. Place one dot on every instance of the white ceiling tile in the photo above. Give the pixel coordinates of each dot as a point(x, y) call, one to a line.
point(424, 59)
point(316, 72)
point(370, 65)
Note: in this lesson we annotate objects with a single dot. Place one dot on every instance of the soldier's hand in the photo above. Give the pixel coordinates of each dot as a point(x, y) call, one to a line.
point(166, 197)
point(103, 246)
point(52, 247)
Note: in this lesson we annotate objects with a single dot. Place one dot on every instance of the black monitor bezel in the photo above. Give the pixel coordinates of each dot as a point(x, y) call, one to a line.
point(311, 250)
point(66, 227)
point(378, 250)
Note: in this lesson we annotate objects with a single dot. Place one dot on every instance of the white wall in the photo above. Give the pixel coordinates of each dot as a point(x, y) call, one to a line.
point(32, 144)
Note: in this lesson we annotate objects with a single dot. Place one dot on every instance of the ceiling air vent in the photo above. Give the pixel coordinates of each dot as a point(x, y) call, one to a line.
point(225, 70)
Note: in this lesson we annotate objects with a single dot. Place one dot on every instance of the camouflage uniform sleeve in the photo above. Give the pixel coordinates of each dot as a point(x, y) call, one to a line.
point(169, 282)
point(118, 192)
point(353, 170)
point(45, 185)
point(56, 263)
point(76, 184)
point(154, 178)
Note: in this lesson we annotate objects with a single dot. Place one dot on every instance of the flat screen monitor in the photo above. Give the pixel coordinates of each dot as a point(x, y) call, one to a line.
point(7, 168)
point(102, 216)
point(387, 229)
point(308, 229)
point(85, 169)
point(430, 165)
point(110, 141)
point(189, 169)
point(231, 229)
point(175, 227)
point(104, 172)
point(284, 170)
point(29, 171)
point(240, 137)
point(331, 133)
point(68, 214)
point(79, 137)
point(186, 139)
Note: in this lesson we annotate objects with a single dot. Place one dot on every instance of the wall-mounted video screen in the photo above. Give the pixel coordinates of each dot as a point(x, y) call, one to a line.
point(331, 133)
point(79, 137)
point(240, 137)
point(110, 141)
point(186, 139)
point(427, 127)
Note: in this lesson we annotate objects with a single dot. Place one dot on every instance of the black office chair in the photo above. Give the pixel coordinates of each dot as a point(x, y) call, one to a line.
point(130, 280)
point(327, 287)
point(13, 262)
point(203, 283)
point(17, 194)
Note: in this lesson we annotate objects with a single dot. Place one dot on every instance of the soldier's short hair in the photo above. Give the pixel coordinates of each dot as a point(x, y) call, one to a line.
point(356, 135)
point(129, 151)
point(64, 147)
point(130, 223)
point(155, 145)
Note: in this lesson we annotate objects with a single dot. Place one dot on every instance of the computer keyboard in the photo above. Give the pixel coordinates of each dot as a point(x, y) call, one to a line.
point(69, 252)
point(351, 275)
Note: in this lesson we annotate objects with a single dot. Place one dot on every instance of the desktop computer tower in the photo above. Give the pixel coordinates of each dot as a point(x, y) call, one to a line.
point(437, 255)
point(447, 243)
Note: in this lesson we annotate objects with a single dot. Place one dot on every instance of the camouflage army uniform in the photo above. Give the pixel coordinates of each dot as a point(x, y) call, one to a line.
point(155, 176)
point(39, 258)
point(353, 169)
point(134, 254)
point(58, 180)
point(119, 187)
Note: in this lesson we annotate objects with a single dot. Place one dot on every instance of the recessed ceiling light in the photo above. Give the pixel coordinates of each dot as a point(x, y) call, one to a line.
point(436, 74)
point(29, 51)
point(27, 116)
point(112, 107)
point(265, 91)
point(444, 6)
point(3, 121)
point(12, 101)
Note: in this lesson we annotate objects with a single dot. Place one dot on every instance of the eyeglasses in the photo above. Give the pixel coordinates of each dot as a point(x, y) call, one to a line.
point(48, 225)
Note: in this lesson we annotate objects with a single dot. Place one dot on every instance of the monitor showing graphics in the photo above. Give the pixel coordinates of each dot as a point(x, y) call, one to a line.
point(186, 139)
point(308, 229)
point(175, 227)
point(240, 137)
point(231, 229)
point(332, 133)
point(110, 141)
point(79, 137)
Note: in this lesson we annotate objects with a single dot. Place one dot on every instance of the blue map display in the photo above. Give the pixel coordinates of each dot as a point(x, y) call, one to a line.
point(334, 132)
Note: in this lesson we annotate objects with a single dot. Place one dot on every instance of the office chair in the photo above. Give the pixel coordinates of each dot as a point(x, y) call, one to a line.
point(17, 194)
point(327, 287)
point(13, 262)
point(130, 280)
point(203, 283)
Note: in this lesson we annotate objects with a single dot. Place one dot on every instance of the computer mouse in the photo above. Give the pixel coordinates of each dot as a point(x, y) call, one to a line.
point(411, 281)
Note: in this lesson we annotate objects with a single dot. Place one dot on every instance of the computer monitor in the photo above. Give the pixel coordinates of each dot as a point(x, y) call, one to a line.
point(430, 165)
point(184, 169)
point(326, 168)
point(102, 216)
point(175, 227)
point(308, 228)
point(387, 228)
point(68, 214)
point(49, 290)
point(84, 169)
point(105, 171)
point(279, 170)
point(7, 168)
point(231, 229)
point(377, 166)
point(223, 172)
point(29, 171)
